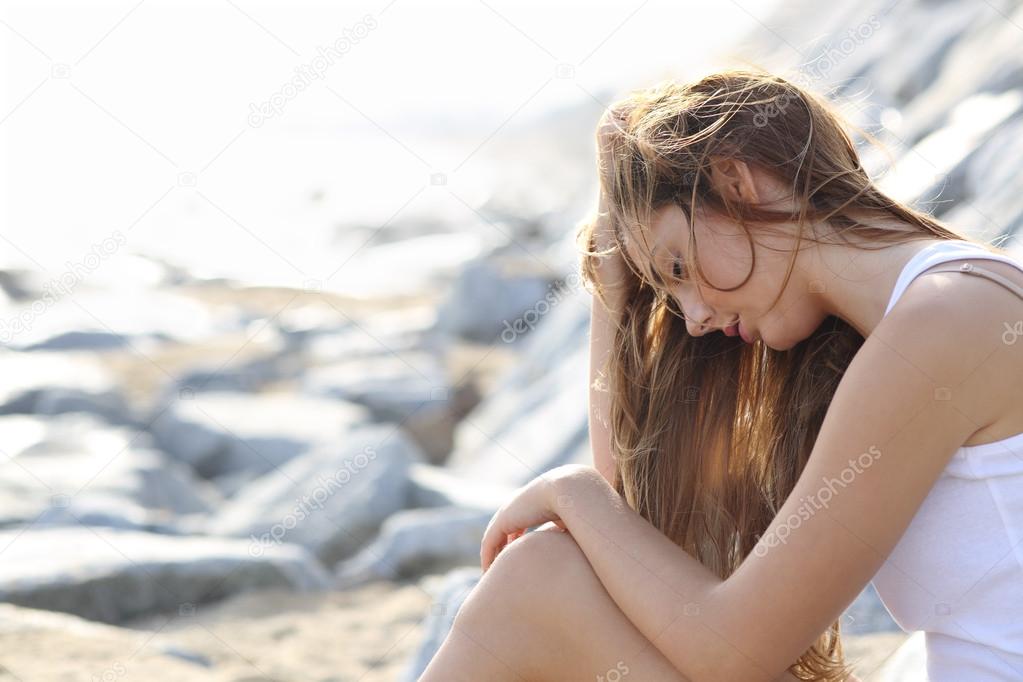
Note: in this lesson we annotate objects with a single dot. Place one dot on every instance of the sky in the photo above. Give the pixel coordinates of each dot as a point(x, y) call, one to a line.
point(234, 137)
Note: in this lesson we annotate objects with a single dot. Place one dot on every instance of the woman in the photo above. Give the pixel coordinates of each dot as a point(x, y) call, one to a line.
point(747, 485)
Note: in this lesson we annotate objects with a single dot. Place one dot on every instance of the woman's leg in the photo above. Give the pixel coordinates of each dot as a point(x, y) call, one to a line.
point(540, 613)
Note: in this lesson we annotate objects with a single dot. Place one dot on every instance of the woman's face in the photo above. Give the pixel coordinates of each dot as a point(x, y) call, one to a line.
point(725, 254)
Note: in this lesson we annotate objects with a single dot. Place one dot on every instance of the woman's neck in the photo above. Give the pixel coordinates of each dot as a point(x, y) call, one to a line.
point(858, 283)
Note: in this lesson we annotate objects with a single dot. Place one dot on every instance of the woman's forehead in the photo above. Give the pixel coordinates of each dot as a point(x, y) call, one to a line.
point(654, 234)
point(643, 249)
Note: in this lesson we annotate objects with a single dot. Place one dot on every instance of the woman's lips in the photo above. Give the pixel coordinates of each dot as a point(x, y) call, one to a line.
point(732, 330)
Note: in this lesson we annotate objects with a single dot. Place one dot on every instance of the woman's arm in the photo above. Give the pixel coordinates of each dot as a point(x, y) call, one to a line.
point(611, 271)
point(602, 331)
point(892, 426)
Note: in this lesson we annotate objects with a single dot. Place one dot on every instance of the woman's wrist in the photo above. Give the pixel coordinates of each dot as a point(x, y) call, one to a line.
point(571, 484)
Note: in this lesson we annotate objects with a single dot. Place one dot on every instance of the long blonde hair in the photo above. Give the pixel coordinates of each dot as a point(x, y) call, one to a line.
point(710, 434)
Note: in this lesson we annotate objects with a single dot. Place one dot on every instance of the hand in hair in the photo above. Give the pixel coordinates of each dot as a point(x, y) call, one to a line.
point(610, 265)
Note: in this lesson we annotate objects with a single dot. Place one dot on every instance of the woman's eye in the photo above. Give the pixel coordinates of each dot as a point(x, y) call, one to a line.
point(677, 269)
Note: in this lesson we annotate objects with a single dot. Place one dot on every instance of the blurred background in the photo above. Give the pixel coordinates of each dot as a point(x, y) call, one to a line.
point(290, 299)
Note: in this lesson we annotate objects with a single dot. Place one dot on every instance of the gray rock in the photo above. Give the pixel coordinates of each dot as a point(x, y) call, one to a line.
point(433, 486)
point(324, 341)
point(97, 320)
point(456, 586)
point(523, 430)
point(54, 383)
point(221, 432)
point(535, 417)
point(110, 575)
point(992, 206)
point(867, 614)
point(493, 295)
point(408, 388)
point(330, 500)
point(73, 468)
point(417, 541)
point(269, 357)
point(22, 619)
point(170, 649)
point(948, 166)
point(22, 285)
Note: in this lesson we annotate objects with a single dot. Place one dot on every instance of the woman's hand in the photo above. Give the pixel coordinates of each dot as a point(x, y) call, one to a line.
point(531, 505)
point(610, 268)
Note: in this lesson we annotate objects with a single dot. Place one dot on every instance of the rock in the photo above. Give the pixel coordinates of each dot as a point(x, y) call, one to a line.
point(408, 388)
point(73, 468)
point(330, 500)
point(109, 575)
point(992, 206)
point(416, 541)
point(491, 296)
point(22, 285)
point(22, 619)
point(452, 593)
point(933, 166)
point(536, 418)
point(221, 432)
point(55, 383)
point(433, 486)
point(324, 341)
point(244, 377)
point(185, 655)
point(867, 614)
point(268, 358)
point(97, 320)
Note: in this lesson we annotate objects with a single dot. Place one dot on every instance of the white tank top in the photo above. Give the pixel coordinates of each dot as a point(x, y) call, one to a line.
point(957, 571)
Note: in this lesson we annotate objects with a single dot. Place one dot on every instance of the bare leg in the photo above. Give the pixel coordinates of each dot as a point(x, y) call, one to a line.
point(541, 614)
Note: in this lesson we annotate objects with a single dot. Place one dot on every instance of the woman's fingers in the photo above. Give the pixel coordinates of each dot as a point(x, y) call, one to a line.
point(491, 548)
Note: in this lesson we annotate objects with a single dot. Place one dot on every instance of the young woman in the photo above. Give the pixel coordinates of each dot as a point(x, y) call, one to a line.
point(855, 421)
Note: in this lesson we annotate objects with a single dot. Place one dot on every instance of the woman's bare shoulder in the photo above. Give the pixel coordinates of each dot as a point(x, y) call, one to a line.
point(984, 339)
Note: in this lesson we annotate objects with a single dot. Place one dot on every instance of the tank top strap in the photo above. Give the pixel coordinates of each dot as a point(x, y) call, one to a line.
point(973, 269)
point(931, 259)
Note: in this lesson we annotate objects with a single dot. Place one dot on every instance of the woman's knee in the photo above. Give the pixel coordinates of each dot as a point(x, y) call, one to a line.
point(529, 575)
point(546, 559)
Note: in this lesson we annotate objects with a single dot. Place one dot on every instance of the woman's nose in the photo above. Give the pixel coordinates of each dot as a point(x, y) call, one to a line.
point(698, 317)
point(696, 328)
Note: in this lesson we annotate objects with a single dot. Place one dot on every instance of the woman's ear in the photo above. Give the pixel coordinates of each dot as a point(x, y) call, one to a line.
point(733, 179)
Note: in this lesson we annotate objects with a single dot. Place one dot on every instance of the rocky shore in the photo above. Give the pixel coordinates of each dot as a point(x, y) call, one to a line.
point(209, 481)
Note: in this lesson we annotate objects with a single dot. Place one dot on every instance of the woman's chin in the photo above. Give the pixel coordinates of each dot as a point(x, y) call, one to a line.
point(770, 343)
point(778, 345)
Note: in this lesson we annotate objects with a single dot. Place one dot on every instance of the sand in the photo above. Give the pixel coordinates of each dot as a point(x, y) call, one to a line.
point(367, 634)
